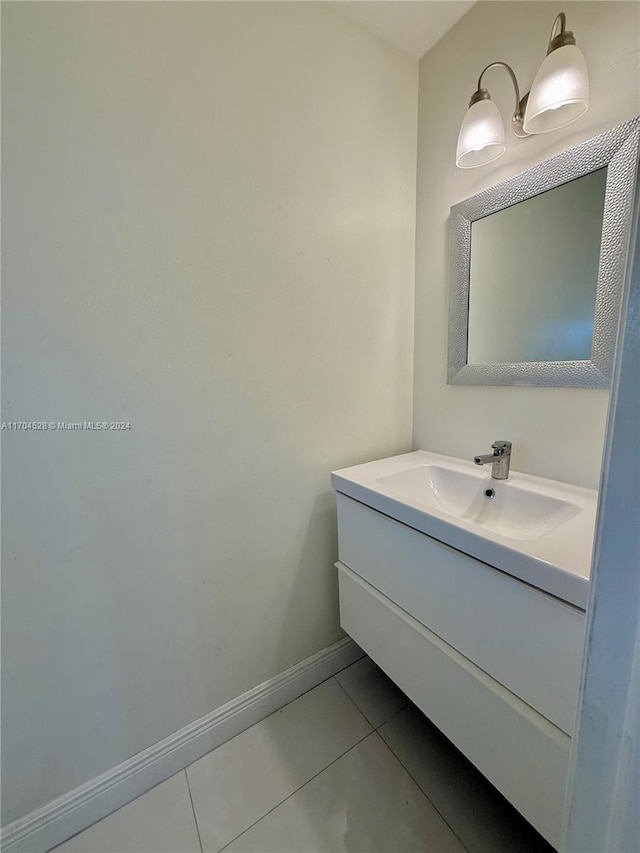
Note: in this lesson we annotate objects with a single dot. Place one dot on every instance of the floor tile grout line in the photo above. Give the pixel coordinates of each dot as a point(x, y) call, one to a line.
point(421, 789)
point(349, 665)
point(416, 781)
point(392, 717)
point(355, 705)
point(291, 701)
point(395, 713)
point(315, 776)
point(193, 809)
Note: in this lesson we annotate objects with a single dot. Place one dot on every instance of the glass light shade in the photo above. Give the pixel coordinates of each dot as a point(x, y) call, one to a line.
point(560, 91)
point(481, 137)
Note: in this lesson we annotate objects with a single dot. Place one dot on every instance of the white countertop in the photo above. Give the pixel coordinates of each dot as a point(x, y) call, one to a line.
point(554, 557)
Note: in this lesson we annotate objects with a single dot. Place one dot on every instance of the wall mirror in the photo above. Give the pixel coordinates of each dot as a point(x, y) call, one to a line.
point(537, 265)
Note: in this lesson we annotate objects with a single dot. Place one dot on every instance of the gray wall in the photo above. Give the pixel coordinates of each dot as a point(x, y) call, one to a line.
point(208, 214)
point(556, 432)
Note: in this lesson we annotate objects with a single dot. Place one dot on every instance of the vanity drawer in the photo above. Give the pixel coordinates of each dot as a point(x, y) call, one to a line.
point(528, 641)
point(524, 755)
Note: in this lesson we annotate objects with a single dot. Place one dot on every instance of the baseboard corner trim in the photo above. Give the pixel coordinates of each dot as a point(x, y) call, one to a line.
point(59, 820)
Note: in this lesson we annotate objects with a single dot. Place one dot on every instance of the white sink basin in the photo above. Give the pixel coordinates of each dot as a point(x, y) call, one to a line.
point(504, 506)
point(538, 530)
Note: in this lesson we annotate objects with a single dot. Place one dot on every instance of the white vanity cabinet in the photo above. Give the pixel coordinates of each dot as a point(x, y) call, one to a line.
point(492, 661)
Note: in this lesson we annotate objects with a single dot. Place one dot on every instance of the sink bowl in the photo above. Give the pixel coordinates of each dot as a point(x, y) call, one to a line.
point(504, 506)
point(540, 531)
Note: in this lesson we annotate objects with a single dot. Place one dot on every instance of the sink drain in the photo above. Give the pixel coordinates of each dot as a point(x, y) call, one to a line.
point(490, 494)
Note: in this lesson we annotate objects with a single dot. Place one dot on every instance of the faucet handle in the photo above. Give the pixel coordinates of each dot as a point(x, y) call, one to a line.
point(502, 448)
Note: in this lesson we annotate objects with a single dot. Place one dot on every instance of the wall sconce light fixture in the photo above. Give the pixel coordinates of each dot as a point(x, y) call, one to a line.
point(558, 96)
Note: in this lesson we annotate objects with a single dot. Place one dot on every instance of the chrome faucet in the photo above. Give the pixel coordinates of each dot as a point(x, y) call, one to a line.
point(500, 460)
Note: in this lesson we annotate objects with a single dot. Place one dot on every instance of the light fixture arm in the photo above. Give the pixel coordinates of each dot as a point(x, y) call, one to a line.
point(521, 103)
point(511, 74)
point(561, 38)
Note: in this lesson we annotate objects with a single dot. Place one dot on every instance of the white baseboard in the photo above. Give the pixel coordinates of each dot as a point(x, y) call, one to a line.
point(54, 823)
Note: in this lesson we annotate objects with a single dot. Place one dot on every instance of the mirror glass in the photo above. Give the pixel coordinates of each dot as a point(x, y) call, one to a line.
point(534, 275)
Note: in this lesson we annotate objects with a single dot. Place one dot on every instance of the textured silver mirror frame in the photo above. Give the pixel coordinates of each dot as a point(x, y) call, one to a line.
point(618, 150)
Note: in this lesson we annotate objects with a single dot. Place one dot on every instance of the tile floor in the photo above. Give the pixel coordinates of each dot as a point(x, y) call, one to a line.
point(350, 766)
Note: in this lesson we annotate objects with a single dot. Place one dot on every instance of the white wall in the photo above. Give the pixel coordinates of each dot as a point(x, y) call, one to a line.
point(556, 432)
point(209, 232)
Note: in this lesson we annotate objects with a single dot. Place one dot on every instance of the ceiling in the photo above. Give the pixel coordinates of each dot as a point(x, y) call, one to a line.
point(412, 25)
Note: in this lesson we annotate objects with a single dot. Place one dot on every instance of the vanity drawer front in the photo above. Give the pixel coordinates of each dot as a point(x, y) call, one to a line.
point(527, 640)
point(524, 755)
